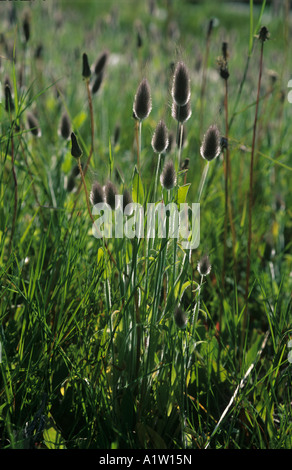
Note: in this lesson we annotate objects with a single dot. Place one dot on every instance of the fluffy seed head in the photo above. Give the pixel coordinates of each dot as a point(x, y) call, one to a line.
point(33, 125)
point(101, 62)
point(96, 194)
point(211, 145)
point(180, 318)
point(168, 175)
point(76, 151)
point(70, 183)
point(204, 265)
point(9, 104)
point(110, 192)
point(142, 101)
point(181, 85)
point(65, 126)
point(181, 113)
point(26, 27)
point(97, 83)
point(86, 72)
point(160, 138)
point(127, 198)
point(264, 34)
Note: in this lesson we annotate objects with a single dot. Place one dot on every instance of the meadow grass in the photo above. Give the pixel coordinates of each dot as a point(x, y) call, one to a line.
point(139, 343)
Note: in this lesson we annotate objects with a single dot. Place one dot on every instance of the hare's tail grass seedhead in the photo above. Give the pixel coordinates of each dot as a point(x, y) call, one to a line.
point(86, 72)
point(127, 198)
point(26, 27)
point(97, 83)
point(181, 113)
point(65, 126)
point(9, 103)
point(211, 145)
point(96, 193)
point(168, 176)
point(181, 91)
point(33, 125)
point(142, 102)
point(204, 265)
point(100, 63)
point(70, 183)
point(180, 318)
point(76, 151)
point(110, 193)
point(160, 138)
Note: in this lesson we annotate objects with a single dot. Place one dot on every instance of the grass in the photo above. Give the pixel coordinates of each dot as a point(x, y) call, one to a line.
point(90, 353)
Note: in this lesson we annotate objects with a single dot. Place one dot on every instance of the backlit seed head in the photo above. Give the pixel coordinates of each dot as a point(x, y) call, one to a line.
point(127, 198)
point(181, 91)
point(9, 104)
point(180, 318)
point(65, 127)
point(86, 72)
point(263, 34)
point(70, 183)
point(160, 138)
point(96, 194)
point(168, 175)
point(101, 63)
point(110, 194)
point(211, 145)
point(97, 83)
point(204, 265)
point(76, 151)
point(181, 113)
point(142, 101)
point(33, 125)
point(225, 50)
point(26, 27)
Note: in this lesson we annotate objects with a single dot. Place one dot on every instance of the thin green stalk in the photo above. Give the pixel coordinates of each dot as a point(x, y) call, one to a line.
point(203, 180)
point(156, 176)
point(251, 194)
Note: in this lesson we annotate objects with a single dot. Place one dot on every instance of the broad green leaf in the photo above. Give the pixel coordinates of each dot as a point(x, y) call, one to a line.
point(182, 193)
